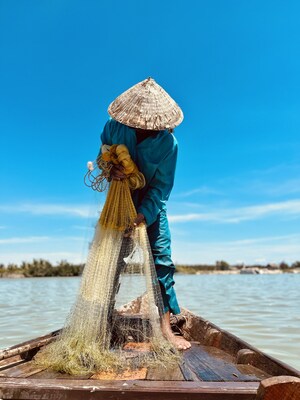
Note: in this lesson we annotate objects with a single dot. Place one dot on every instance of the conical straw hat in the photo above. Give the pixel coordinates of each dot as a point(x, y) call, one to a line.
point(146, 105)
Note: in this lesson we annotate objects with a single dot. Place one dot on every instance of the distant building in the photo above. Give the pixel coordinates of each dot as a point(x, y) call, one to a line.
point(273, 266)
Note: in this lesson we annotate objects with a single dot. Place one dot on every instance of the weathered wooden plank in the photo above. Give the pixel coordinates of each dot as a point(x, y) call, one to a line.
point(24, 389)
point(23, 370)
point(165, 374)
point(122, 376)
point(196, 366)
point(188, 372)
point(28, 346)
point(217, 353)
point(197, 328)
point(251, 370)
point(235, 346)
point(208, 367)
point(279, 388)
point(11, 362)
point(50, 374)
point(273, 366)
point(243, 368)
point(31, 341)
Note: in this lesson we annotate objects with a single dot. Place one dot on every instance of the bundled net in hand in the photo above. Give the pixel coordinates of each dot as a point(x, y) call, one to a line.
point(119, 268)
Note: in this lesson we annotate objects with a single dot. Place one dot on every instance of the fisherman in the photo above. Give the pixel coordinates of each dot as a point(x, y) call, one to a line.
point(143, 118)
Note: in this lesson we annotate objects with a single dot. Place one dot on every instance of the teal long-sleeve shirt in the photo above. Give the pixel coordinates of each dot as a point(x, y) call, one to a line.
point(155, 157)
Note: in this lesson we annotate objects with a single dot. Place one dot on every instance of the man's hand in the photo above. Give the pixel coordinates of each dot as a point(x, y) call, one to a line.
point(139, 219)
point(117, 173)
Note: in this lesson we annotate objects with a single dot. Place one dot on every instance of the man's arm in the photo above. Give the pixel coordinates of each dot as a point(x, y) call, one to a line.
point(160, 187)
point(106, 138)
point(106, 135)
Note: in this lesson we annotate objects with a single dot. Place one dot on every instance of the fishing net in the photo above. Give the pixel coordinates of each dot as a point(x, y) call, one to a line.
point(97, 337)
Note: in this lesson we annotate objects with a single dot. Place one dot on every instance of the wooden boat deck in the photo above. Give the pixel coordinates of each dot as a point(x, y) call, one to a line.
point(218, 366)
point(200, 363)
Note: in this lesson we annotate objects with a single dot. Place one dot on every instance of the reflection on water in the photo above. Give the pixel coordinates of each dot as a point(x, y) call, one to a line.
point(261, 309)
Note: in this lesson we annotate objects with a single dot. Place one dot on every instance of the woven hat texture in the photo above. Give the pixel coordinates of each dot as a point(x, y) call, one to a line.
point(146, 105)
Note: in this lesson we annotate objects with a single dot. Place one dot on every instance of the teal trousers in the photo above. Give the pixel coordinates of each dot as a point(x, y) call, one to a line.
point(160, 242)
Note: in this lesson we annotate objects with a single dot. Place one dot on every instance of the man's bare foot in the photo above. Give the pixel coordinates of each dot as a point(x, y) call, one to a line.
point(178, 341)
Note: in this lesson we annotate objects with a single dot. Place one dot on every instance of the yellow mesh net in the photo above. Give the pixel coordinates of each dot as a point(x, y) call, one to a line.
point(98, 335)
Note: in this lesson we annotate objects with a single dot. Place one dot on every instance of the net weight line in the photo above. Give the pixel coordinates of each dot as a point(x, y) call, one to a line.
point(126, 247)
point(137, 326)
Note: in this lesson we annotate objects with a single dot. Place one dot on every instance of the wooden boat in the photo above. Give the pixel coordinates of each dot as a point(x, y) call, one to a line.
point(219, 365)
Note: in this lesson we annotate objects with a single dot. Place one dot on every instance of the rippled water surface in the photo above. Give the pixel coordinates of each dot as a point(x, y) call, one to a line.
point(261, 309)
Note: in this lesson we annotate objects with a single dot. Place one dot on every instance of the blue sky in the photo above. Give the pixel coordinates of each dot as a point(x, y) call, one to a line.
point(233, 67)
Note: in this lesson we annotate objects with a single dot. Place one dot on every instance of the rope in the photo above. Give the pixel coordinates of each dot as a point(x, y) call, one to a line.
point(118, 212)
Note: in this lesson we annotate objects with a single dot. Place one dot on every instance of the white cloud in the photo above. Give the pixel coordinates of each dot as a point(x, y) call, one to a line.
point(39, 239)
point(83, 211)
point(260, 260)
point(52, 248)
point(28, 239)
point(202, 190)
point(283, 168)
point(274, 188)
point(264, 250)
point(278, 180)
point(83, 228)
point(53, 257)
point(248, 213)
point(75, 249)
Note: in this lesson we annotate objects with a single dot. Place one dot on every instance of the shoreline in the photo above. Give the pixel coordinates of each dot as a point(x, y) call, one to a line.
point(41, 268)
point(180, 271)
point(239, 273)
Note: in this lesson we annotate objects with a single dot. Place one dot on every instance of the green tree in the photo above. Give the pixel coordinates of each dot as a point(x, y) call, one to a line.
point(222, 265)
point(283, 265)
point(296, 264)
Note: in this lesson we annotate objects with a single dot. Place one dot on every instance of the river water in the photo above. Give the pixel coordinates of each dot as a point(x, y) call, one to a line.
point(264, 310)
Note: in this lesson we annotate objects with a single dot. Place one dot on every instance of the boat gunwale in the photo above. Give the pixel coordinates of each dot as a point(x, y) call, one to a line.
point(26, 386)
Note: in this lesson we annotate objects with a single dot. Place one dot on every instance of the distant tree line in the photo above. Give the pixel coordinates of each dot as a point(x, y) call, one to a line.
point(41, 268)
point(224, 266)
